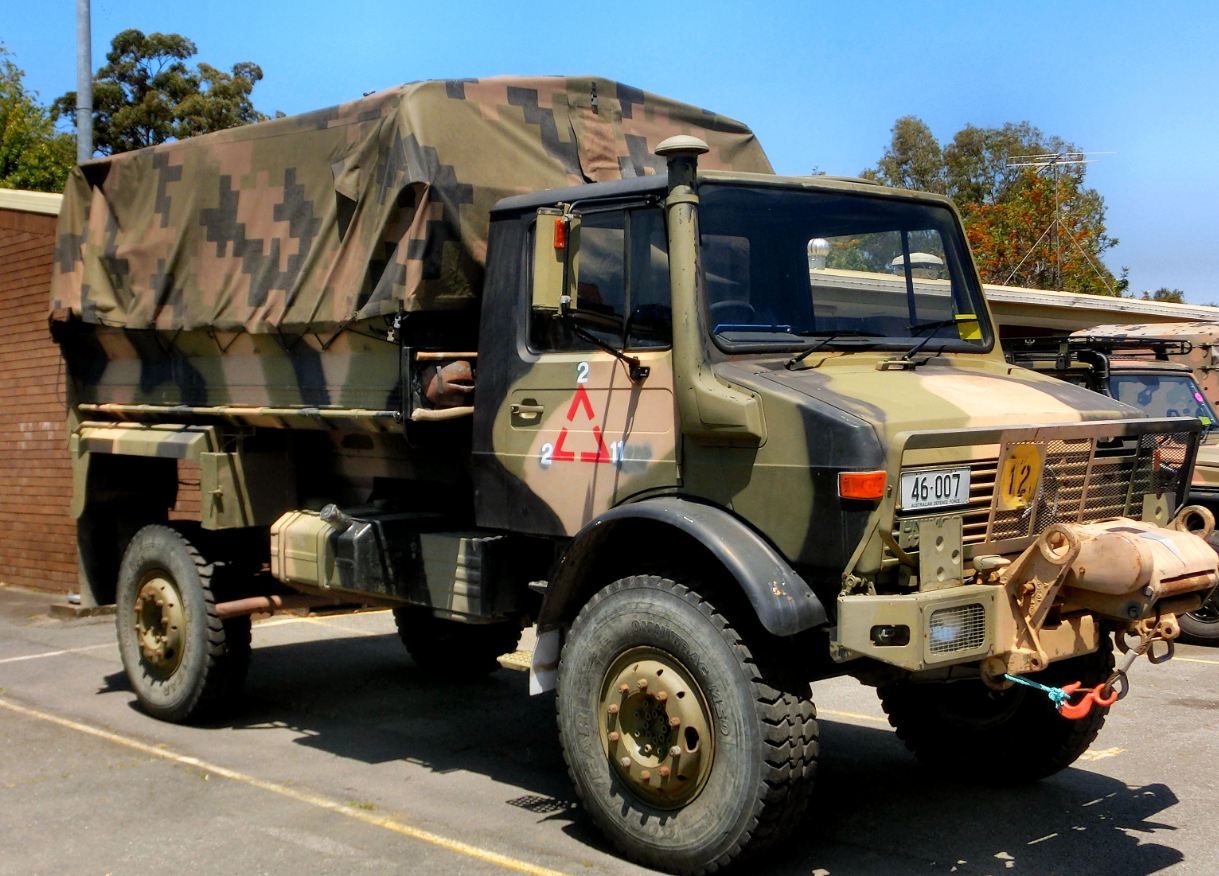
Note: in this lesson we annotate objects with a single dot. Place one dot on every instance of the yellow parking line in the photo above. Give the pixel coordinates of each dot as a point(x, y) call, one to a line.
point(1197, 660)
point(322, 622)
point(854, 716)
point(1100, 753)
point(307, 797)
point(57, 653)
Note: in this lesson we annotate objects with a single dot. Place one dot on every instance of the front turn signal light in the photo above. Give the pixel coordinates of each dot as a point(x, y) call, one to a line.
point(861, 484)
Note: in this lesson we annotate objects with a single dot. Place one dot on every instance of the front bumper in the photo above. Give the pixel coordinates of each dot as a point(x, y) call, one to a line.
point(1051, 603)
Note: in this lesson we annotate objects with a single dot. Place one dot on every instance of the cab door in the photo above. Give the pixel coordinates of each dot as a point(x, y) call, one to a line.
point(576, 431)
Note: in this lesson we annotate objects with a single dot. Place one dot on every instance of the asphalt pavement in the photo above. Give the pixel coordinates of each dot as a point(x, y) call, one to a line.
point(342, 757)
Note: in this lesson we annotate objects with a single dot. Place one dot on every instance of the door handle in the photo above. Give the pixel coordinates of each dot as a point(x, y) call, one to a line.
point(526, 413)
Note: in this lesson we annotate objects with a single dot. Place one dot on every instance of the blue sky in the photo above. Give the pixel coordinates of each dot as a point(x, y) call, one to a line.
point(820, 83)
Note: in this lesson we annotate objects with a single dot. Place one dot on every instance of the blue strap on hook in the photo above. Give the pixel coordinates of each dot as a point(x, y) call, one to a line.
point(1057, 695)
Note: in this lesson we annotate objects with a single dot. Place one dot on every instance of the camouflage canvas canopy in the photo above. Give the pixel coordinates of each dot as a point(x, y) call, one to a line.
point(352, 212)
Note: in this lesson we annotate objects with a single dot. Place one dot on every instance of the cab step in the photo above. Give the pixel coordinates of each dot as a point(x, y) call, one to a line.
point(518, 661)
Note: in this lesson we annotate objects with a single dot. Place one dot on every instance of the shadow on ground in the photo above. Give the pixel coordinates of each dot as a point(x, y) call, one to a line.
point(875, 811)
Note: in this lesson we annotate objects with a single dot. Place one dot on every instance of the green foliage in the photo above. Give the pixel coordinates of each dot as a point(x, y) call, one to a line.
point(146, 94)
point(1017, 235)
point(1172, 296)
point(32, 155)
point(913, 159)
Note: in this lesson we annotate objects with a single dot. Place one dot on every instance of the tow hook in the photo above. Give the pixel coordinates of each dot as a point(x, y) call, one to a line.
point(1117, 685)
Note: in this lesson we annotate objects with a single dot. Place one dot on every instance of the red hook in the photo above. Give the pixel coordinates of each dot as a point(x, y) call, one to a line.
point(1088, 698)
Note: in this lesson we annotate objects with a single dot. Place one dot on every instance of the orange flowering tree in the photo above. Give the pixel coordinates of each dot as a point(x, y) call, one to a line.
point(1030, 221)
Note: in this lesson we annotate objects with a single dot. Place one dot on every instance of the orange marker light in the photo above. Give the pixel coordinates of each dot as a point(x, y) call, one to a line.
point(560, 233)
point(861, 484)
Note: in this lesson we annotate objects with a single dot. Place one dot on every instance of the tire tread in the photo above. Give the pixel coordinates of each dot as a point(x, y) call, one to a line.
point(785, 712)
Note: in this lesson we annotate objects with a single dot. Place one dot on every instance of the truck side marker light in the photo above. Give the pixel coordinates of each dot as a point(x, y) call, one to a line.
point(861, 484)
point(560, 233)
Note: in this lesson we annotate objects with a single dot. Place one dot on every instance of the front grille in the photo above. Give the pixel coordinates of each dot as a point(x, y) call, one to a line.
point(1083, 480)
point(956, 629)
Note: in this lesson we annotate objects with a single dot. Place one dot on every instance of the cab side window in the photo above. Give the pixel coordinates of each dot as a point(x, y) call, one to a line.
point(623, 286)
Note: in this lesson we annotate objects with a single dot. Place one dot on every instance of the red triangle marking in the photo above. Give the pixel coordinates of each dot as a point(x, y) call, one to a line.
point(602, 454)
point(561, 455)
point(580, 399)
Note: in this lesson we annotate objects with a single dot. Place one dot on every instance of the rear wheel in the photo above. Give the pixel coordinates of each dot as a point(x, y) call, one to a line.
point(452, 648)
point(688, 747)
point(183, 661)
point(998, 737)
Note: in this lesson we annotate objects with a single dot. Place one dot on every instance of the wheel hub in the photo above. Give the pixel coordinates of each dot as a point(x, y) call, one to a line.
point(656, 727)
point(160, 623)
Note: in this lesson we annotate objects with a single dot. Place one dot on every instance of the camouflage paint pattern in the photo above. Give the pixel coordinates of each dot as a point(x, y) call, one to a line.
point(585, 437)
point(775, 486)
point(312, 222)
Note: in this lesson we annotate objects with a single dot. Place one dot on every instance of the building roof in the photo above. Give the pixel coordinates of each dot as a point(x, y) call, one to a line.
point(30, 202)
point(1068, 311)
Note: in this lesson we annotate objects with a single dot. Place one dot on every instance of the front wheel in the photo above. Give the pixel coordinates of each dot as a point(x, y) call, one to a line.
point(687, 747)
point(183, 661)
point(1003, 737)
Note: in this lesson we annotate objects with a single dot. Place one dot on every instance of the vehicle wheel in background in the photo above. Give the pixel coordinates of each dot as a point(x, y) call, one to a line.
point(1201, 627)
point(451, 648)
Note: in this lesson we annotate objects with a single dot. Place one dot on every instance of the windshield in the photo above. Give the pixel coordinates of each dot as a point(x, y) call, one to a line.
point(1163, 395)
point(789, 268)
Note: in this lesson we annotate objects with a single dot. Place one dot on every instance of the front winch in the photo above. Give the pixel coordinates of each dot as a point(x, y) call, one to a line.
point(1121, 570)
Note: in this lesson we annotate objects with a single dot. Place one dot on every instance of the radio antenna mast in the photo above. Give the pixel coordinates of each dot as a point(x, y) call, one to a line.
point(1054, 162)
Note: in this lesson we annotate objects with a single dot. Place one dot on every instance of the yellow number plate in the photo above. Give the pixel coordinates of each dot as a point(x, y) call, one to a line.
point(1018, 476)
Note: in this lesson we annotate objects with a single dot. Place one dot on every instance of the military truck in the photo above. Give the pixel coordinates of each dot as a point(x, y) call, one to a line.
point(1196, 346)
point(562, 353)
point(1147, 373)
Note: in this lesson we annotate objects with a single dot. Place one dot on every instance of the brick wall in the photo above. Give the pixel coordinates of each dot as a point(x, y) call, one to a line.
point(37, 536)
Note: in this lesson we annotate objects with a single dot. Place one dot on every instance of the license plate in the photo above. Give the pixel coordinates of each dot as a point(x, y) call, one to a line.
point(1019, 475)
point(935, 488)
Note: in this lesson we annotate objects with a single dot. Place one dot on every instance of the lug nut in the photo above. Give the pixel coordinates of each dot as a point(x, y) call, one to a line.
point(665, 772)
point(626, 763)
point(642, 683)
point(675, 722)
point(675, 751)
point(645, 776)
point(662, 696)
point(614, 737)
point(613, 709)
point(624, 689)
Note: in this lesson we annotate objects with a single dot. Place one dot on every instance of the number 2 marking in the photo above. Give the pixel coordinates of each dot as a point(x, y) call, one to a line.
point(581, 372)
point(547, 456)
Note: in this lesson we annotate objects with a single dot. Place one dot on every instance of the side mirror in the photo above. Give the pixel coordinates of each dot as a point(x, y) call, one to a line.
point(556, 253)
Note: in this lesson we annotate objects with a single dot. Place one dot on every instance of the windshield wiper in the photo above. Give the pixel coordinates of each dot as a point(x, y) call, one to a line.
point(752, 327)
point(827, 337)
point(919, 327)
point(906, 359)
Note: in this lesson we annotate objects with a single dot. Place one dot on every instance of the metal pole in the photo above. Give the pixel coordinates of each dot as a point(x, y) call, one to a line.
point(84, 84)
